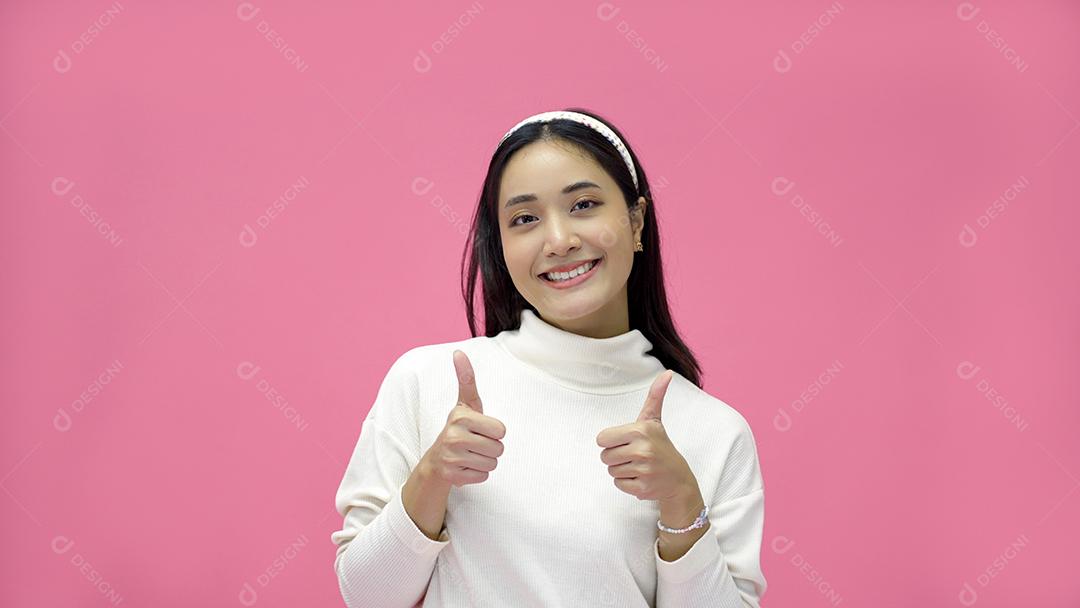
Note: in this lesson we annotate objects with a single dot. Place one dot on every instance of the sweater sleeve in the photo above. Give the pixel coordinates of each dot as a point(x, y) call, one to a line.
point(383, 558)
point(723, 567)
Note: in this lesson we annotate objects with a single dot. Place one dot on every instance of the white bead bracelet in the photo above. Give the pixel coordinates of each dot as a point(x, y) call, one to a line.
point(699, 522)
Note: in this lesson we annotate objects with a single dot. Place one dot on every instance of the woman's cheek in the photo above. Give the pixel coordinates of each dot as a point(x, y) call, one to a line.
point(608, 238)
point(522, 271)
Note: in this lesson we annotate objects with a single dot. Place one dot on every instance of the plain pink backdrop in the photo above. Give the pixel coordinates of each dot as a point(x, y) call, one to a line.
point(225, 221)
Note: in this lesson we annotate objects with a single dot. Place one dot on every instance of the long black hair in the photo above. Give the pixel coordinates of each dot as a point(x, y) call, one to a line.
point(646, 299)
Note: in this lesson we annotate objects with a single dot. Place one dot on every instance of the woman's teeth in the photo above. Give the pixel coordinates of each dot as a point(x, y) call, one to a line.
point(563, 276)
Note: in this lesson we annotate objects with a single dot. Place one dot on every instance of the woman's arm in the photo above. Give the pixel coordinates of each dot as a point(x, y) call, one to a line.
point(384, 558)
point(680, 513)
point(722, 568)
point(424, 497)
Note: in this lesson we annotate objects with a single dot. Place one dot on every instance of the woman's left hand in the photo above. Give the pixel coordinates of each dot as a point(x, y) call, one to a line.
point(641, 457)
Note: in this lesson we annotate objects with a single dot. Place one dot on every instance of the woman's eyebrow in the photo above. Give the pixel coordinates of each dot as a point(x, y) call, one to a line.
point(525, 198)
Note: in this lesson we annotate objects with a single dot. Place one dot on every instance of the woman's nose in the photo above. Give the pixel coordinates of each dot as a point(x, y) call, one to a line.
point(561, 238)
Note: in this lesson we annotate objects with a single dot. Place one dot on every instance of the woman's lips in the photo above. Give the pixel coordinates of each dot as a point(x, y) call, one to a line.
point(581, 278)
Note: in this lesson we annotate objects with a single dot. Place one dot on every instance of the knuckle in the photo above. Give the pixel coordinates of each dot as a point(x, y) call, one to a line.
point(456, 437)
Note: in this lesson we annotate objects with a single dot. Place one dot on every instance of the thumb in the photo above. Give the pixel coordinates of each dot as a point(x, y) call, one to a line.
point(466, 382)
point(654, 401)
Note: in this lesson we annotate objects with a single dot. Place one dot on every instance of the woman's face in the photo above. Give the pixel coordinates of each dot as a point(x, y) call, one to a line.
point(547, 228)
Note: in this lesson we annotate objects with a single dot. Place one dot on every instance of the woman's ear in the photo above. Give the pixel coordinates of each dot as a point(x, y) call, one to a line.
point(637, 217)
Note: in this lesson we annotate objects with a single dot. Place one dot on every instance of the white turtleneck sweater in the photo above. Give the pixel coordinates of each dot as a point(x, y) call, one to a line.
point(548, 528)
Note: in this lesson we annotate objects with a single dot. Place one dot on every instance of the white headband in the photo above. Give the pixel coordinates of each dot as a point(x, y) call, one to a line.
point(588, 121)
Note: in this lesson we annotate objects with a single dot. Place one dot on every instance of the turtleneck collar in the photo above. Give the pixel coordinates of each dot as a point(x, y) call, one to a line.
point(606, 366)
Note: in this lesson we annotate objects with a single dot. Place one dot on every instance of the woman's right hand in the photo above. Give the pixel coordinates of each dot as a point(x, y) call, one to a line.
point(466, 450)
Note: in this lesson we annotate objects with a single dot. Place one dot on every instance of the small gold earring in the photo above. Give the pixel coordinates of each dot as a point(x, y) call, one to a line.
point(638, 247)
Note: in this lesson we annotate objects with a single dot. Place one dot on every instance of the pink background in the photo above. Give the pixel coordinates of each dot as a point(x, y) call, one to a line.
point(927, 372)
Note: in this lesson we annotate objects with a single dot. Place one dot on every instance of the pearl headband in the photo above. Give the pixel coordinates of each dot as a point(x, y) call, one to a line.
point(588, 121)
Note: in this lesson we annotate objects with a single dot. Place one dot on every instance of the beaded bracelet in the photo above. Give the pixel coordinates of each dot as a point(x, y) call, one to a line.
point(699, 522)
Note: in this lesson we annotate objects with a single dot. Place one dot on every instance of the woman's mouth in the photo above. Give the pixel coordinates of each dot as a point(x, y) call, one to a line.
point(565, 280)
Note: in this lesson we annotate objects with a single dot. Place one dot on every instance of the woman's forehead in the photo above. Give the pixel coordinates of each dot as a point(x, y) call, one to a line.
point(544, 168)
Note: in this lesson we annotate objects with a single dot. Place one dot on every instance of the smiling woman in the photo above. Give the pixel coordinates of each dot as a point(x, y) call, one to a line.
point(567, 230)
point(563, 189)
point(578, 384)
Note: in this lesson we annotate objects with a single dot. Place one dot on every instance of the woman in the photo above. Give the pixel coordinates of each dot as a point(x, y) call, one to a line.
point(620, 482)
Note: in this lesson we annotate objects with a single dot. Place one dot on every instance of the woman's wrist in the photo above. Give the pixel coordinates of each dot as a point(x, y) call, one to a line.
point(424, 497)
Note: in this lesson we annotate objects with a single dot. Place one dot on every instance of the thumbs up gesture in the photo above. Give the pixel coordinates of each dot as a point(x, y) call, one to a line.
point(641, 457)
point(467, 448)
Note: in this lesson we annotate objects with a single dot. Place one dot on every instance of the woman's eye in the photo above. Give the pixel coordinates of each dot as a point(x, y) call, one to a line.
point(515, 222)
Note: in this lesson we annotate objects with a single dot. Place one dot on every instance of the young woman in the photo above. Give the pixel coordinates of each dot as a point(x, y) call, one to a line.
point(620, 482)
